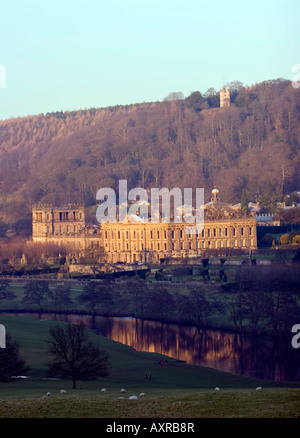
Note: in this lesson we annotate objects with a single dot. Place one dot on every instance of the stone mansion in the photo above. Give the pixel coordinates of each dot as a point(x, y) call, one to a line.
point(225, 227)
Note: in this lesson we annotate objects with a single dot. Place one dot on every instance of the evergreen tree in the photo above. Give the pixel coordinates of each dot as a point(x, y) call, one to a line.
point(11, 364)
point(244, 201)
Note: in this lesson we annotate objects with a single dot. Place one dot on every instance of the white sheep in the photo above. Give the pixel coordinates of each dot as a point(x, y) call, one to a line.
point(217, 389)
point(142, 394)
point(48, 394)
point(103, 390)
point(258, 388)
point(133, 397)
point(63, 391)
point(123, 390)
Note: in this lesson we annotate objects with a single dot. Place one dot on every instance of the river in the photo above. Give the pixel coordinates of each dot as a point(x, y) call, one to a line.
point(261, 357)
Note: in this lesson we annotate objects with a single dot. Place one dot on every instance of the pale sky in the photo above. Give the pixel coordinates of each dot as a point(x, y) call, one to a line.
point(70, 55)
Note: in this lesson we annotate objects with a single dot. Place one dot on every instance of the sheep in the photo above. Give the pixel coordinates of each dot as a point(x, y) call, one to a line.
point(48, 394)
point(142, 394)
point(63, 391)
point(123, 390)
point(133, 397)
point(103, 390)
point(217, 389)
point(258, 388)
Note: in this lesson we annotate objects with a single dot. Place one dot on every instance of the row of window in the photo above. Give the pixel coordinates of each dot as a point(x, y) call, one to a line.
point(58, 229)
point(61, 216)
point(164, 234)
point(177, 246)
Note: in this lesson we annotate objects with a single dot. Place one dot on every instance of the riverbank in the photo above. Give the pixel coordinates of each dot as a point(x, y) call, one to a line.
point(257, 357)
point(236, 306)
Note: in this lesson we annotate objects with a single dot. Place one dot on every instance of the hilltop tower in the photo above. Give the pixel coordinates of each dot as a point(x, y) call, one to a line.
point(224, 97)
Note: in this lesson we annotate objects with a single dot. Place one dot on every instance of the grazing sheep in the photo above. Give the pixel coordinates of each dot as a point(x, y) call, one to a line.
point(123, 390)
point(258, 388)
point(63, 391)
point(217, 389)
point(103, 390)
point(48, 394)
point(142, 394)
point(133, 397)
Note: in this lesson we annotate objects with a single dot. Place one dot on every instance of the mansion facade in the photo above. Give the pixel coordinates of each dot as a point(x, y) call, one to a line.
point(225, 227)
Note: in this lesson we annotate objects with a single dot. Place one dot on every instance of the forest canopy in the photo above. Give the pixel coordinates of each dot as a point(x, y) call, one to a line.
point(65, 157)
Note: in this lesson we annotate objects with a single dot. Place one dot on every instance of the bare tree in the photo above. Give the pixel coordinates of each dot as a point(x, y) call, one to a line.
point(137, 291)
point(91, 295)
point(174, 95)
point(37, 292)
point(62, 296)
point(6, 294)
point(75, 355)
point(160, 303)
point(96, 258)
point(197, 306)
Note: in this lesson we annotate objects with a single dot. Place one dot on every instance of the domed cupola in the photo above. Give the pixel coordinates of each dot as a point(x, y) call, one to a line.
point(215, 195)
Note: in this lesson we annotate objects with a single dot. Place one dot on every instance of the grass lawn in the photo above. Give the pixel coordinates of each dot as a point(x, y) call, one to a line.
point(269, 403)
point(18, 289)
point(176, 390)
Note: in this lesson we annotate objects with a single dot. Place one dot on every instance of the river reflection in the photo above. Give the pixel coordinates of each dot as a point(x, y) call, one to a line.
point(262, 357)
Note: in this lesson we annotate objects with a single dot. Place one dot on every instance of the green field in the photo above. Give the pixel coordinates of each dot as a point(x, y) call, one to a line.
point(270, 403)
point(176, 390)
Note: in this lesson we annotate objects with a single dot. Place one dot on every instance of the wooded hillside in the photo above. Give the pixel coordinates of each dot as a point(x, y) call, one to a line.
point(66, 157)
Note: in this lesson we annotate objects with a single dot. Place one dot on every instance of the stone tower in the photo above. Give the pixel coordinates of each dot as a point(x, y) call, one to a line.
point(224, 97)
point(48, 221)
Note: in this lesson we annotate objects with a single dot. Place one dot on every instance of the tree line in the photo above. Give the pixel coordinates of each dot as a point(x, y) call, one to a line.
point(259, 299)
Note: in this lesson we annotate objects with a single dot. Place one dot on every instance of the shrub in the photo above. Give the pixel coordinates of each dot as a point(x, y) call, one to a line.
point(284, 239)
point(296, 239)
